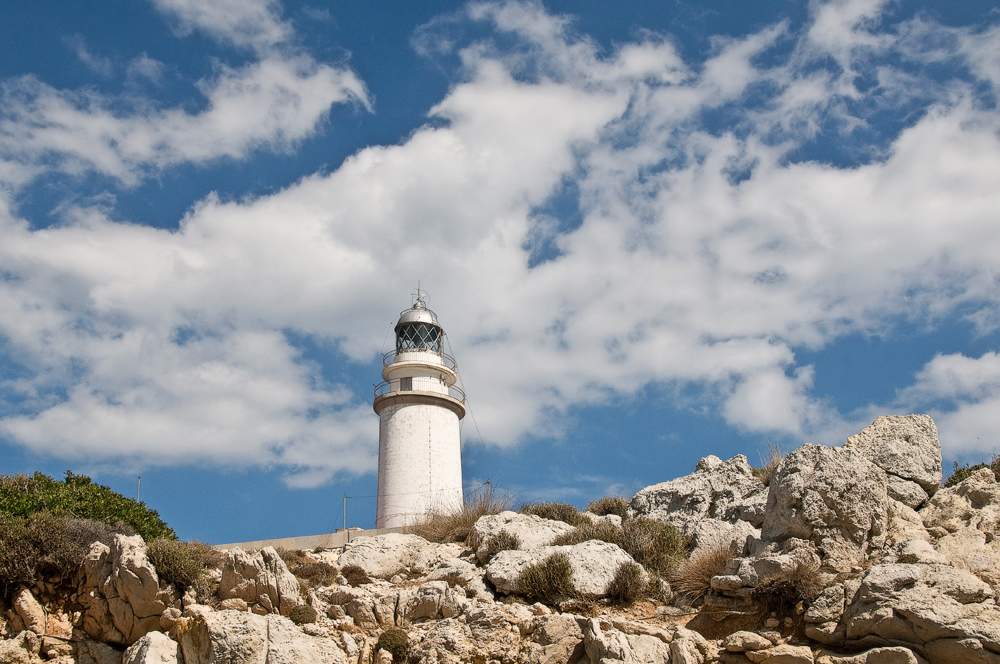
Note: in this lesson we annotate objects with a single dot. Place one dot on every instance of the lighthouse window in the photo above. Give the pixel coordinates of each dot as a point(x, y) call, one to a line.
point(406, 384)
point(418, 336)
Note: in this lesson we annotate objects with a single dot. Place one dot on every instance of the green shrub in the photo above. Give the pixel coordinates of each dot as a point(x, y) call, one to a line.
point(302, 614)
point(628, 585)
point(395, 642)
point(22, 496)
point(548, 581)
point(455, 526)
point(657, 546)
point(961, 473)
point(609, 505)
point(355, 575)
point(556, 512)
point(502, 541)
point(181, 563)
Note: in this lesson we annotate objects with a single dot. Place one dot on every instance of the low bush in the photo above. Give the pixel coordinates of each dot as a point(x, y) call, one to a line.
point(692, 579)
point(455, 526)
point(609, 505)
point(548, 581)
point(21, 495)
point(182, 563)
point(628, 585)
point(355, 575)
point(302, 614)
point(781, 594)
point(657, 546)
point(313, 573)
point(961, 473)
point(502, 541)
point(556, 512)
point(395, 642)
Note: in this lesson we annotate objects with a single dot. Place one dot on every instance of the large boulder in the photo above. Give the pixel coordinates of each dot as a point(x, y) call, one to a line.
point(834, 498)
point(237, 637)
point(120, 592)
point(531, 530)
point(385, 555)
point(154, 648)
point(907, 448)
point(593, 563)
point(261, 579)
point(972, 503)
point(552, 639)
point(724, 490)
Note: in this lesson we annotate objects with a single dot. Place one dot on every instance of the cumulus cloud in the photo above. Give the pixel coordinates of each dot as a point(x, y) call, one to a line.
point(704, 257)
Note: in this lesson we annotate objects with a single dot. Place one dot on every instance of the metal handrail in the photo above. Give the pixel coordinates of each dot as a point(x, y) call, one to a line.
point(449, 361)
point(454, 392)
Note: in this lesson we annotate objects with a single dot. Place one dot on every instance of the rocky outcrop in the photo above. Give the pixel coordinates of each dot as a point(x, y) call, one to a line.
point(906, 447)
point(594, 564)
point(972, 503)
point(154, 648)
point(120, 592)
point(724, 490)
point(386, 555)
point(531, 530)
point(260, 579)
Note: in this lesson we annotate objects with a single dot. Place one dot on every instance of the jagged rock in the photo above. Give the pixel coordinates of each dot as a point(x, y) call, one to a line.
point(120, 592)
point(725, 490)
point(460, 572)
point(234, 604)
point(432, 600)
point(605, 644)
point(552, 639)
point(488, 634)
point(237, 637)
point(711, 533)
point(30, 612)
point(781, 654)
point(887, 655)
point(972, 503)
point(593, 562)
point(904, 524)
point(945, 612)
point(974, 551)
point(154, 648)
point(93, 652)
point(260, 578)
point(908, 450)
point(920, 551)
point(530, 529)
point(385, 555)
point(22, 649)
point(833, 497)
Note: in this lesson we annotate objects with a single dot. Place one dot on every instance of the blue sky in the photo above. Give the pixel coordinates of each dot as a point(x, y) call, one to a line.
point(652, 231)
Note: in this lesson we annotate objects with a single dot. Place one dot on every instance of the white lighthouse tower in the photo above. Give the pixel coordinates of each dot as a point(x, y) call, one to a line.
point(419, 409)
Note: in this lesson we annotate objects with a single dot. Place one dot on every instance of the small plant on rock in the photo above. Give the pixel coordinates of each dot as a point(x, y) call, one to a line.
point(302, 614)
point(693, 577)
point(395, 642)
point(548, 581)
point(355, 575)
point(181, 563)
point(628, 585)
point(782, 593)
point(769, 463)
point(455, 526)
point(502, 541)
point(556, 512)
point(609, 505)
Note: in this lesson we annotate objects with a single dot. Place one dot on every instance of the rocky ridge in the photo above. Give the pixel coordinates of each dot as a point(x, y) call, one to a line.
point(849, 555)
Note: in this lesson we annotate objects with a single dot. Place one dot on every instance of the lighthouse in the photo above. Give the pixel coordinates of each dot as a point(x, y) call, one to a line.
point(419, 410)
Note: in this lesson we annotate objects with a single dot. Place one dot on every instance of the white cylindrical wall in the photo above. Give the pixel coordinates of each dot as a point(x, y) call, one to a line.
point(419, 463)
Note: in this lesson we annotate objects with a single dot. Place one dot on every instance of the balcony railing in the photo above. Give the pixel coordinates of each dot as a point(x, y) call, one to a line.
point(448, 360)
point(454, 392)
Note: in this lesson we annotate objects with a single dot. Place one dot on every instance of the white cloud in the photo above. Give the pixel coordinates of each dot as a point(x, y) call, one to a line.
point(703, 257)
point(244, 23)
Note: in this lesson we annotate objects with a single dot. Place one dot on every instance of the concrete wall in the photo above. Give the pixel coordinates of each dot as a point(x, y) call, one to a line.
point(328, 541)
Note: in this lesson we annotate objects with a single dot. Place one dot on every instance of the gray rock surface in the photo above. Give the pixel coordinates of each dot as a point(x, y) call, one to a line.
point(907, 448)
point(236, 637)
point(833, 497)
point(594, 564)
point(972, 503)
point(530, 529)
point(724, 490)
point(260, 578)
point(154, 648)
point(385, 555)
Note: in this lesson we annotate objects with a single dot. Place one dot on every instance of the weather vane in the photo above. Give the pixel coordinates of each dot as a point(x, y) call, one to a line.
point(420, 297)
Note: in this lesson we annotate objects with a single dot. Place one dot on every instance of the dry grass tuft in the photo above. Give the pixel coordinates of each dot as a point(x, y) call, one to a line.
point(555, 512)
point(782, 593)
point(769, 463)
point(693, 577)
point(455, 526)
point(355, 575)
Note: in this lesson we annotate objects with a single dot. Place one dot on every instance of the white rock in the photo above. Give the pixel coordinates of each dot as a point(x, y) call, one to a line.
point(260, 578)
point(384, 555)
point(968, 549)
point(237, 637)
point(717, 489)
point(594, 564)
point(743, 641)
point(30, 612)
point(530, 529)
point(908, 450)
point(154, 648)
point(781, 654)
point(972, 503)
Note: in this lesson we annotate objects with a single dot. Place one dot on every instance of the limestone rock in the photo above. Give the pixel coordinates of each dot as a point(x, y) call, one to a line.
point(30, 612)
point(260, 578)
point(530, 529)
point(716, 490)
point(237, 637)
point(711, 533)
point(593, 562)
point(460, 572)
point(886, 655)
point(432, 600)
point(972, 503)
point(605, 644)
point(743, 641)
point(552, 639)
point(908, 450)
point(22, 649)
point(833, 497)
point(154, 648)
point(781, 654)
point(971, 550)
point(93, 652)
point(385, 555)
point(919, 551)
